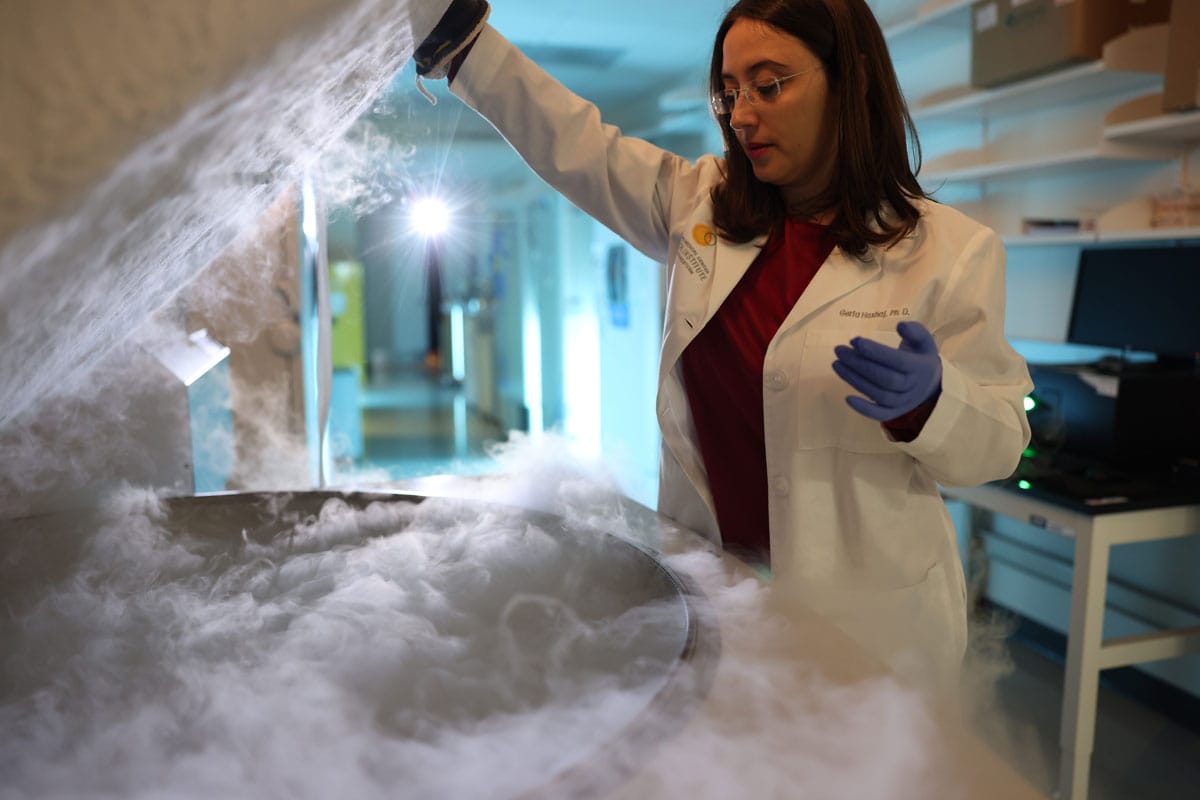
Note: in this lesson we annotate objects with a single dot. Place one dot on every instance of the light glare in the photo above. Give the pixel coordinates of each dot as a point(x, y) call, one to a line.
point(430, 217)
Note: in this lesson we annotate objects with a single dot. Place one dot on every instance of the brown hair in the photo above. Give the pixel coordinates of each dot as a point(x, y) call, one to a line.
point(873, 186)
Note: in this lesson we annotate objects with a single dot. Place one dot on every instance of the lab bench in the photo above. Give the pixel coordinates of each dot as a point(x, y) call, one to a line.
point(1095, 532)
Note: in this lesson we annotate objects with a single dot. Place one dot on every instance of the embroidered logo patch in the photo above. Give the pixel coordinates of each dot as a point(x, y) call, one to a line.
point(704, 236)
point(692, 261)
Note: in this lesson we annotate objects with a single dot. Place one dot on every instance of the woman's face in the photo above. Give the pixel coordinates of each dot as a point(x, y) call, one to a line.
point(787, 140)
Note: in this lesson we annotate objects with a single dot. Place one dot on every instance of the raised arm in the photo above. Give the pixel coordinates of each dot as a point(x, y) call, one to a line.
point(626, 183)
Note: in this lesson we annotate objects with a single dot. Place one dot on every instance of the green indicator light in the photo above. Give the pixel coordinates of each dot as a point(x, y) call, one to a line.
point(1029, 452)
point(1030, 403)
point(1024, 484)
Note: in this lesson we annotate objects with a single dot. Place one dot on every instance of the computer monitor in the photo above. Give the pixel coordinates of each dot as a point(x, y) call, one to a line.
point(1139, 298)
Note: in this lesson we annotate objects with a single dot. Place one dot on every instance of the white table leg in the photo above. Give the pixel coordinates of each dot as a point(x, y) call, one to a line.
point(1078, 731)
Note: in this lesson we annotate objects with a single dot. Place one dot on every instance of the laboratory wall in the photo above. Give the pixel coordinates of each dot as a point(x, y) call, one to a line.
point(1152, 586)
point(630, 320)
point(1044, 162)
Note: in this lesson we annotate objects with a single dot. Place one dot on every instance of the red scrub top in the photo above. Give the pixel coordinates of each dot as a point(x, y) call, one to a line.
point(723, 368)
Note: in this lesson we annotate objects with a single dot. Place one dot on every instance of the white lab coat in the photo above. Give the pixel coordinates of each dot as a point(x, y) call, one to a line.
point(858, 527)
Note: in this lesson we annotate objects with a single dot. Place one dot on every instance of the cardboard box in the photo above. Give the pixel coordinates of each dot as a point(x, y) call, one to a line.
point(1181, 82)
point(1179, 209)
point(1016, 39)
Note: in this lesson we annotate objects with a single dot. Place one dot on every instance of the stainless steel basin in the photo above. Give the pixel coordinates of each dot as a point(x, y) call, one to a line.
point(560, 653)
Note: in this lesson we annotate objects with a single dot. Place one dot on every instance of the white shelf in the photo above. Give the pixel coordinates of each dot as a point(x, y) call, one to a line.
point(1101, 155)
point(935, 25)
point(924, 32)
point(1064, 87)
point(1182, 128)
point(1149, 235)
point(1049, 239)
point(1103, 237)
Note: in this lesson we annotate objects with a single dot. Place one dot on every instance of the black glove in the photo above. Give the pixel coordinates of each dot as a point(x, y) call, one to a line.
point(457, 28)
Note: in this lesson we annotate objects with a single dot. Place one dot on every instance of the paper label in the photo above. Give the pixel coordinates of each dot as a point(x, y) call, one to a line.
point(1039, 521)
point(986, 17)
point(1103, 385)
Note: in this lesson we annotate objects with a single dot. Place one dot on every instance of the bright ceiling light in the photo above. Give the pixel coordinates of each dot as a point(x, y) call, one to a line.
point(430, 217)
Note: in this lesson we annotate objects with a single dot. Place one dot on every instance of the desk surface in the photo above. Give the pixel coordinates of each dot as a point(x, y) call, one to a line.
point(1094, 487)
point(1120, 524)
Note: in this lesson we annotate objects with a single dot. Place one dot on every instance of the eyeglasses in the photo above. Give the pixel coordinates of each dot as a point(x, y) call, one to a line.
point(767, 91)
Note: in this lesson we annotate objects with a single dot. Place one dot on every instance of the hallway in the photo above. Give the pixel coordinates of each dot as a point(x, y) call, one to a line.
point(415, 425)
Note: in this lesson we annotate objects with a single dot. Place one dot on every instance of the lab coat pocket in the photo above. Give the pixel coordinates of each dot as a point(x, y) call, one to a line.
point(918, 630)
point(826, 420)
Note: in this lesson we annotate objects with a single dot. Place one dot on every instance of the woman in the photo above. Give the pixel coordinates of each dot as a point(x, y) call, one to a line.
point(805, 263)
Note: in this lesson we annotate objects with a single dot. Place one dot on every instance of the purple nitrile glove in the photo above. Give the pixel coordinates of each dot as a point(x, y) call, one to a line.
point(894, 380)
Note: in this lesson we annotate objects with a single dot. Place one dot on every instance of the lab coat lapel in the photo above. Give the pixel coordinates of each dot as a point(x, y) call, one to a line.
point(732, 262)
point(837, 277)
point(705, 271)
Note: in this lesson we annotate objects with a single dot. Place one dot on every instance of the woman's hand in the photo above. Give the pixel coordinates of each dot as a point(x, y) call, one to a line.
point(894, 380)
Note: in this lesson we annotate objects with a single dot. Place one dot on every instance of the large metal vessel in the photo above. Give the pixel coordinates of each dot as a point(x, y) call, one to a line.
point(549, 657)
